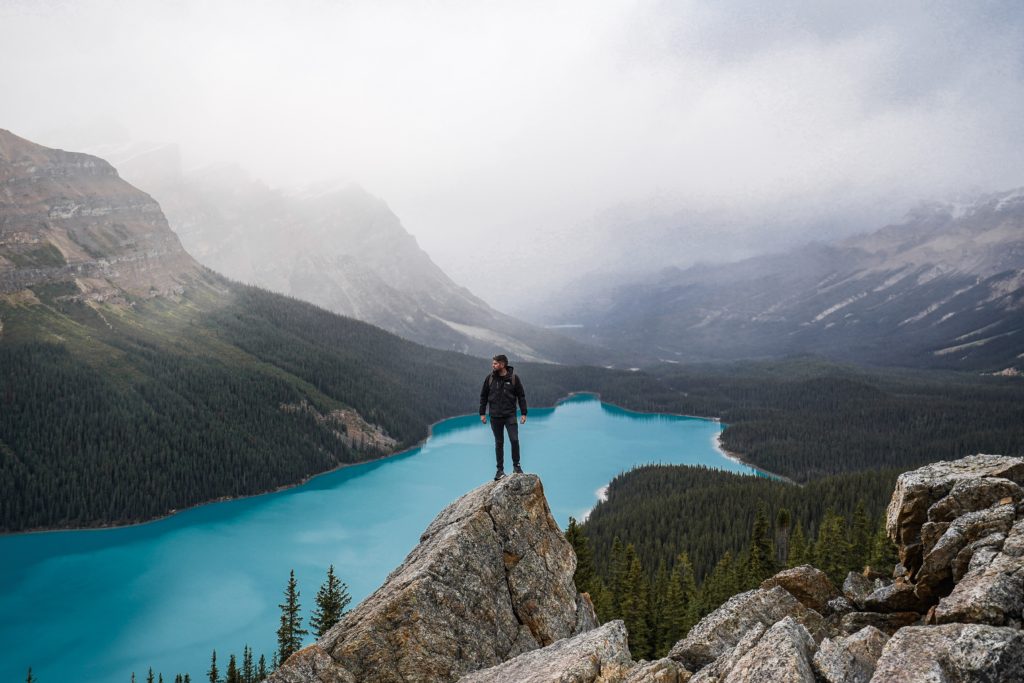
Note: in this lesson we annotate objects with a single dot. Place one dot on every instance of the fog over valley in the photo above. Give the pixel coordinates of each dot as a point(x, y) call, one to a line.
point(525, 146)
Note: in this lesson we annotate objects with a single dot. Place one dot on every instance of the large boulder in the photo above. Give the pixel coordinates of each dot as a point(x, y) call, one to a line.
point(598, 656)
point(781, 654)
point(490, 579)
point(953, 653)
point(851, 659)
point(992, 591)
point(807, 584)
point(924, 489)
point(719, 632)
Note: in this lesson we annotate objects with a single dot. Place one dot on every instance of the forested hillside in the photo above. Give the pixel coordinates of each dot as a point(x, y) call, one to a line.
point(113, 414)
point(672, 543)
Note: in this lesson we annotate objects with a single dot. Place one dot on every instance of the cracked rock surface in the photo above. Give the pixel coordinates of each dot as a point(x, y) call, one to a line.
point(598, 656)
point(490, 579)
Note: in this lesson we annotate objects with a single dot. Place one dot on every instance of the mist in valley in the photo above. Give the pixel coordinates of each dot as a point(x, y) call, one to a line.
point(536, 151)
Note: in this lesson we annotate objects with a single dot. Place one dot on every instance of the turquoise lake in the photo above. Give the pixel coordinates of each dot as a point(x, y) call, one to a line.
point(94, 606)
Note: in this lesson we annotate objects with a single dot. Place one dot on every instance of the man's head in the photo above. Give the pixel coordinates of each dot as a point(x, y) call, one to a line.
point(499, 362)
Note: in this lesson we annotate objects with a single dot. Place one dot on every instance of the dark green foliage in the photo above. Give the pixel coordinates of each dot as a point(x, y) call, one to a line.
point(634, 605)
point(29, 679)
point(331, 602)
point(804, 418)
point(832, 549)
point(798, 548)
point(232, 675)
point(884, 554)
point(666, 510)
point(261, 669)
point(584, 575)
point(290, 633)
point(761, 555)
point(213, 674)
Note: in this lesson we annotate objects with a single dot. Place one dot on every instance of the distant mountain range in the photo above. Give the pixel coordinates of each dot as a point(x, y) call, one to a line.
point(338, 247)
point(945, 288)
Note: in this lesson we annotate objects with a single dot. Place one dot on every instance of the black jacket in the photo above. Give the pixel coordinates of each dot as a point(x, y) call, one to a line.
point(500, 394)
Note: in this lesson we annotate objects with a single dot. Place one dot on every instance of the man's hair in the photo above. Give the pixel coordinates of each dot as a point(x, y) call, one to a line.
point(501, 358)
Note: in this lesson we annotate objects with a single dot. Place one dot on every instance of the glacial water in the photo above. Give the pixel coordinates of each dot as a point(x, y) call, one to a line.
point(94, 606)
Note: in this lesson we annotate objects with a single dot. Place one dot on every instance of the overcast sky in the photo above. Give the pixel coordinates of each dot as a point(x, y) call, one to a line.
point(548, 128)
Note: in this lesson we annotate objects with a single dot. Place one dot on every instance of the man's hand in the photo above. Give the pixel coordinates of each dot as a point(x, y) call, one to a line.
point(483, 419)
point(522, 420)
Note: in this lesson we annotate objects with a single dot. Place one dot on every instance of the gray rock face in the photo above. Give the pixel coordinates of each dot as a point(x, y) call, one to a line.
point(781, 653)
point(953, 653)
point(918, 491)
point(598, 656)
point(659, 671)
point(887, 623)
point(807, 584)
point(992, 592)
point(717, 633)
point(851, 659)
point(899, 596)
point(856, 588)
point(490, 579)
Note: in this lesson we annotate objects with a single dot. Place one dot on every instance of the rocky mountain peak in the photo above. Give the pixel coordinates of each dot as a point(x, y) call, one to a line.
point(69, 218)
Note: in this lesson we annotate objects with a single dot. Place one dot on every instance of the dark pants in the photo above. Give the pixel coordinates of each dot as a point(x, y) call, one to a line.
point(498, 426)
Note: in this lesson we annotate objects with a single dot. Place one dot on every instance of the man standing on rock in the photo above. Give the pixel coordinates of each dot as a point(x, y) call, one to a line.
point(501, 390)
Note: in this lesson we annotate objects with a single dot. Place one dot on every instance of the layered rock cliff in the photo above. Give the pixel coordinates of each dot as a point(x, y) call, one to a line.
point(70, 218)
point(487, 596)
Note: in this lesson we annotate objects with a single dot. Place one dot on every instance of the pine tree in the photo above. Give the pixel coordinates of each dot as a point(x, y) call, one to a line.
point(658, 605)
point(603, 600)
point(861, 537)
point(619, 570)
point(761, 556)
point(29, 678)
point(232, 675)
point(178, 679)
point(248, 672)
point(884, 555)
point(160, 678)
point(290, 633)
point(634, 603)
point(831, 551)
point(679, 605)
point(149, 676)
point(213, 675)
point(719, 586)
point(261, 669)
point(188, 678)
point(783, 520)
point(797, 547)
point(585, 573)
point(133, 677)
point(331, 601)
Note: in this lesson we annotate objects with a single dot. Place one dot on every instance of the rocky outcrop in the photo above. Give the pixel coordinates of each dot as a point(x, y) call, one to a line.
point(851, 659)
point(807, 584)
point(954, 652)
point(490, 579)
point(487, 596)
point(598, 656)
point(935, 495)
point(69, 218)
point(953, 609)
point(720, 632)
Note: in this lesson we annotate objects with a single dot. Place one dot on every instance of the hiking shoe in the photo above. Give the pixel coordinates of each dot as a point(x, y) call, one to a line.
point(517, 469)
point(499, 474)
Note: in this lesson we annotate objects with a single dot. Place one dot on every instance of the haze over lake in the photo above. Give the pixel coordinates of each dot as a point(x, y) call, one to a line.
point(93, 606)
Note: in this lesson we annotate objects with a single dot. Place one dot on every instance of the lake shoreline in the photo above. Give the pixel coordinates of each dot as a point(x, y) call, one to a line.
point(430, 432)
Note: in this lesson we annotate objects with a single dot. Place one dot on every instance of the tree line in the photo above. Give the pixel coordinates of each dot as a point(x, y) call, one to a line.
point(659, 603)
